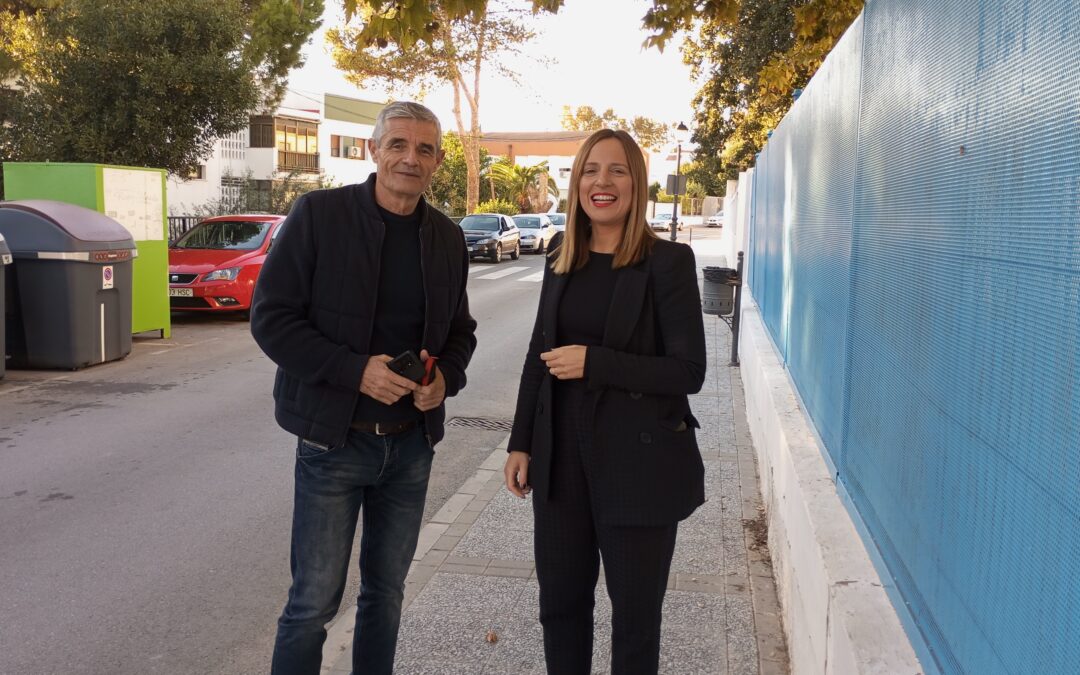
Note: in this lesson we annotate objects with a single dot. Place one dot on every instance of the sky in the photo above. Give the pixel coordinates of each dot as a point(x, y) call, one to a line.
point(597, 60)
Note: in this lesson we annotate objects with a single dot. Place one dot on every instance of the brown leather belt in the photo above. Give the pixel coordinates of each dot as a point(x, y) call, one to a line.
point(384, 428)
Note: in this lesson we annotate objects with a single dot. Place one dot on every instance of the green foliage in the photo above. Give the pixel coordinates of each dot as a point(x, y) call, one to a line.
point(276, 33)
point(263, 196)
point(755, 59)
point(654, 190)
point(409, 23)
point(528, 186)
point(383, 50)
point(502, 206)
point(650, 134)
point(662, 197)
point(142, 83)
point(450, 182)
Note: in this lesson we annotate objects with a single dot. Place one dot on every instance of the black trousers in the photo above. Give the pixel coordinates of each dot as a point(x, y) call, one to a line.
point(569, 545)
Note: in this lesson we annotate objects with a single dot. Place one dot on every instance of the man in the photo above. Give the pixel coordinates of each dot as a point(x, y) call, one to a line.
point(359, 275)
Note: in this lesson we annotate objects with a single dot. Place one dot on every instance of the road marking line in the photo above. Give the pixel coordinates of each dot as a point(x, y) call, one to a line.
point(478, 268)
point(505, 272)
point(538, 276)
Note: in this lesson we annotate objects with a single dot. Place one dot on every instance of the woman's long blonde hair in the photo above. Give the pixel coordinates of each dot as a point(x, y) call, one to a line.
point(638, 237)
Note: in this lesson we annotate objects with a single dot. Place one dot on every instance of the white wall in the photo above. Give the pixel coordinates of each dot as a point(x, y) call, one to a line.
point(342, 170)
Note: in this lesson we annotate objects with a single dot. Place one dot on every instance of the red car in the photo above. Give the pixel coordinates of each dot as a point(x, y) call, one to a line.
point(214, 265)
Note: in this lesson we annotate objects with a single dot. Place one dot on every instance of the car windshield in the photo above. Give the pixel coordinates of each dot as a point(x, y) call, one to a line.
point(527, 223)
point(481, 223)
point(557, 218)
point(241, 235)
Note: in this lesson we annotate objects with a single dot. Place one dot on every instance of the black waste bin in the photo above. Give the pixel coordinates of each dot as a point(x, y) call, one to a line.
point(70, 285)
point(718, 293)
point(5, 260)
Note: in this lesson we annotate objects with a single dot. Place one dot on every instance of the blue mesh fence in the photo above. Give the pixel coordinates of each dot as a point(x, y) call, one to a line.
point(915, 251)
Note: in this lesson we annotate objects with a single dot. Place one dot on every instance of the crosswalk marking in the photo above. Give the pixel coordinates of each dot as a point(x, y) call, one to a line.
point(538, 276)
point(473, 269)
point(504, 272)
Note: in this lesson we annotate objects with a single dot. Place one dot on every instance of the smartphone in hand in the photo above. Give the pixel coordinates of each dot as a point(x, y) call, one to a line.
point(408, 365)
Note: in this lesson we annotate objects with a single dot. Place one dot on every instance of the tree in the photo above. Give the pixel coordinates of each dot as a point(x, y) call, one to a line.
point(410, 23)
point(503, 206)
point(456, 48)
point(449, 184)
point(144, 83)
point(756, 57)
point(650, 134)
point(529, 186)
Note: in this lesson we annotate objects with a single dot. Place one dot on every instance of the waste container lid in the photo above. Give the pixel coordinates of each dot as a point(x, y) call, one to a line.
point(35, 225)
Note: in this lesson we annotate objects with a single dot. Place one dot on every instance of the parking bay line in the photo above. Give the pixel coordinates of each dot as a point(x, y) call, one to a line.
point(506, 271)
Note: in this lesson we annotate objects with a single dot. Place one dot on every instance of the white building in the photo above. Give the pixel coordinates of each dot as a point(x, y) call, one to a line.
point(315, 137)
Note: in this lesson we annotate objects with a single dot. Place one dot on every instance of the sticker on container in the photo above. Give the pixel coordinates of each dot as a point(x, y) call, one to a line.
point(107, 277)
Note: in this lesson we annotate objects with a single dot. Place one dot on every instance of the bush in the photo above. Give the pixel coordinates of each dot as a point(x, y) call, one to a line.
point(502, 206)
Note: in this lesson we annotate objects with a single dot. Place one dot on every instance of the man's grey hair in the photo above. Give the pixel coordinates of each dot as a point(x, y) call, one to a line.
point(407, 110)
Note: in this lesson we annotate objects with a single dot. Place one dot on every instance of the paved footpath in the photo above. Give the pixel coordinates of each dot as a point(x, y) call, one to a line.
point(471, 595)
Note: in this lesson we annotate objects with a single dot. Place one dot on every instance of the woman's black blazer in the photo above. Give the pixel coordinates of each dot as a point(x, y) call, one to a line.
point(644, 466)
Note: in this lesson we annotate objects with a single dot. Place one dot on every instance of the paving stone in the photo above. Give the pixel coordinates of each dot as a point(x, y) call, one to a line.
point(463, 597)
point(503, 530)
point(740, 617)
point(699, 611)
point(692, 653)
point(411, 667)
point(742, 655)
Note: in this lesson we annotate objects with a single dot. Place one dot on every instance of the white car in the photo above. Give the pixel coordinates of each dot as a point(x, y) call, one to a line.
point(715, 220)
point(662, 223)
point(536, 231)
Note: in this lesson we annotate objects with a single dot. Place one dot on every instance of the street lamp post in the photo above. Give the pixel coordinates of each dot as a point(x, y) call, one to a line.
point(682, 134)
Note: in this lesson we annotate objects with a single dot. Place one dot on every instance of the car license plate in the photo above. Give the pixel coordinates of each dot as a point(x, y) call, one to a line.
point(180, 293)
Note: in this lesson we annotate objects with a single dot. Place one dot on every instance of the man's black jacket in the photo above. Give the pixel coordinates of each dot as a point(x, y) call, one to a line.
point(314, 305)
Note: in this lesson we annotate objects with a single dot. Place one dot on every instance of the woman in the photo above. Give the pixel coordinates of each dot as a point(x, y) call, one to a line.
point(603, 435)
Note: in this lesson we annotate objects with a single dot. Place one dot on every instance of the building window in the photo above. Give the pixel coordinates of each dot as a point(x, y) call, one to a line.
point(335, 145)
point(262, 132)
point(297, 143)
point(350, 147)
point(198, 173)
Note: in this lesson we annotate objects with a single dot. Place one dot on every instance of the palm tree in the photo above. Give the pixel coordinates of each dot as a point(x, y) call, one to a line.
point(528, 186)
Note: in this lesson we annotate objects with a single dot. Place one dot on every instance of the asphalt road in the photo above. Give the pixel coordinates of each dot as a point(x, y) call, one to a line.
point(145, 504)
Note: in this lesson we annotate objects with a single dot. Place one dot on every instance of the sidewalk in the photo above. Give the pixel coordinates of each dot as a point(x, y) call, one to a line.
point(471, 595)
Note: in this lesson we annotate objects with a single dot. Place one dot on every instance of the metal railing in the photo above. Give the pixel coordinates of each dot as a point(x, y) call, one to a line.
point(178, 225)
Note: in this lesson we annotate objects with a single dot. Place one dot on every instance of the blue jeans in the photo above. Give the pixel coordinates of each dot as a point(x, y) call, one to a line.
point(388, 477)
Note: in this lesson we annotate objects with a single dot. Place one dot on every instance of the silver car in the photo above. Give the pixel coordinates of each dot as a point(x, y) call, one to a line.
point(536, 231)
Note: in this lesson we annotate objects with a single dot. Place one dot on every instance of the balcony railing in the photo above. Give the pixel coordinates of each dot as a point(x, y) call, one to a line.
point(301, 161)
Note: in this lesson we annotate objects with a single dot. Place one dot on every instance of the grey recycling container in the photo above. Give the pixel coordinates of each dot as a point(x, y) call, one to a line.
point(5, 260)
point(718, 291)
point(70, 285)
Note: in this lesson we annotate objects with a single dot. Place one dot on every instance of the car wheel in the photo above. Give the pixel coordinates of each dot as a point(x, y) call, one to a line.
point(540, 248)
point(496, 255)
point(516, 253)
